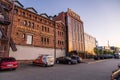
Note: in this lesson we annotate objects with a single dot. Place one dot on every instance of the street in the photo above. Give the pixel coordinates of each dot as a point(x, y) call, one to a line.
point(100, 70)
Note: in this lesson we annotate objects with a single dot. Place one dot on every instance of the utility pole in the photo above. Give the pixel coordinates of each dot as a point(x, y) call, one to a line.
point(55, 40)
point(108, 44)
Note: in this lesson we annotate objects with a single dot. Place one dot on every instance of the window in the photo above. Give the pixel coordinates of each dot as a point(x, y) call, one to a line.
point(45, 29)
point(48, 30)
point(32, 25)
point(29, 39)
point(35, 18)
point(42, 28)
point(25, 23)
point(58, 42)
point(0, 34)
point(45, 40)
point(16, 11)
point(23, 13)
point(17, 33)
point(48, 40)
point(29, 23)
point(23, 36)
point(42, 39)
point(29, 15)
point(40, 20)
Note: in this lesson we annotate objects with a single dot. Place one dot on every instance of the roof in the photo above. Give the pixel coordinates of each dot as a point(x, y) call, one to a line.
point(44, 15)
point(16, 2)
point(31, 9)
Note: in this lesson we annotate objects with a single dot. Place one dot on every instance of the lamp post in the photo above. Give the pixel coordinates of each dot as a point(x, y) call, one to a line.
point(54, 40)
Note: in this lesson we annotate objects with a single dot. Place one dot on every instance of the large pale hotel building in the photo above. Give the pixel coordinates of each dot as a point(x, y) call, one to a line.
point(74, 31)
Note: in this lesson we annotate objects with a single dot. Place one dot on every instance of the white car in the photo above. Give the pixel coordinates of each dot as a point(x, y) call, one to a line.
point(44, 60)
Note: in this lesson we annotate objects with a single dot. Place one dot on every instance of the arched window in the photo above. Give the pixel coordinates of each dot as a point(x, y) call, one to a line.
point(23, 14)
point(32, 25)
point(29, 15)
point(16, 11)
point(25, 23)
point(29, 23)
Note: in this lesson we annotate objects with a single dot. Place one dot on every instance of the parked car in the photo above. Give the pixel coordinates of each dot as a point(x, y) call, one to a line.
point(116, 74)
point(96, 57)
point(44, 60)
point(66, 60)
point(8, 63)
point(76, 57)
point(116, 55)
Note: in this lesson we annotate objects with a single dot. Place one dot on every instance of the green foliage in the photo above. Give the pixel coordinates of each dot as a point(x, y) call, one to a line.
point(100, 51)
point(96, 50)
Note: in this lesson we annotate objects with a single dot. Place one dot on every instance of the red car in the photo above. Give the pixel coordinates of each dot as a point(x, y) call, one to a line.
point(8, 63)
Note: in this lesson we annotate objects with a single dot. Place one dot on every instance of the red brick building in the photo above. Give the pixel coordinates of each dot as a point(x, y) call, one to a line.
point(35, 34)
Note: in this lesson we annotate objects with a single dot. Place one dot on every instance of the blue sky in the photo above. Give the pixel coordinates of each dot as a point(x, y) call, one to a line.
point(101, 17)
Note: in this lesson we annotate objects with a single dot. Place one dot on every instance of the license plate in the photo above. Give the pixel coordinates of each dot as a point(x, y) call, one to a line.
point(9, 65)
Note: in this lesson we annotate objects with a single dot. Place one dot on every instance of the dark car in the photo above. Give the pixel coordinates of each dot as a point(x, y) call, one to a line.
point(76, 57)
point(115, 75)
point(8, 63)
point(66, 60)
point(98, 57)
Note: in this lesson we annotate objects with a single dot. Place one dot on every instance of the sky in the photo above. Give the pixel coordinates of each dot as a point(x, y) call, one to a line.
point(101, 18)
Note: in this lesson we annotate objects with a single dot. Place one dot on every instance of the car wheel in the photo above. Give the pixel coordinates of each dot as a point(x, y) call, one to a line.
point(14, 69)
point(52, 65)
point(33, 63)
point(0, 69)
point(69, 62)
point(44, 65)
point(57, 62)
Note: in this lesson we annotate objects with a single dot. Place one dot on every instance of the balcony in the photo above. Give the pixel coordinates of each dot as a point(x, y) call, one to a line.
point(3, 20)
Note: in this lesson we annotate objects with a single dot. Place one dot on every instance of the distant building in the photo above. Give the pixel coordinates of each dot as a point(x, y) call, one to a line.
point(115, 49)
point(90, 44)
point(75, 31)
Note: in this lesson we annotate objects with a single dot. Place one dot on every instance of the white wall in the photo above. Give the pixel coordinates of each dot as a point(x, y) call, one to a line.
point(30, 53)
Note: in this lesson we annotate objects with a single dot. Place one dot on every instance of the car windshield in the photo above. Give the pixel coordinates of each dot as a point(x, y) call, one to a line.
point(68, 58)
point(74, 57)
point(8, 60)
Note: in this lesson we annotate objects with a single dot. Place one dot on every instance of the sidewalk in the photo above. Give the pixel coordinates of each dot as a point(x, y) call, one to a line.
point(88, 60)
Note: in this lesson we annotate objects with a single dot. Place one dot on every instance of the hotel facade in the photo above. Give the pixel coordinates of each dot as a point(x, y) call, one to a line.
point(74, 31)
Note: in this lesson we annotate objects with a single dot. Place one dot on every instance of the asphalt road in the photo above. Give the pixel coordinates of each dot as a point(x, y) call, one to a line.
point(100, 70)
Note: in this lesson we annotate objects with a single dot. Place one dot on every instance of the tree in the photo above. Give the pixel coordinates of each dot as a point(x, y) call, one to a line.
point(96, 50)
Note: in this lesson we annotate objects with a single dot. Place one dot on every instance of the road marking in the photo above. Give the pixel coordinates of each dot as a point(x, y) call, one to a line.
point(95, 61)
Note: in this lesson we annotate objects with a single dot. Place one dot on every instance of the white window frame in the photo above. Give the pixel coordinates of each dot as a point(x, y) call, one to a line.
point(29, 39)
